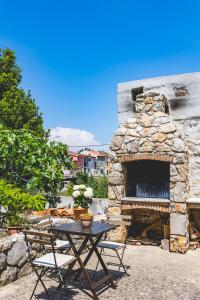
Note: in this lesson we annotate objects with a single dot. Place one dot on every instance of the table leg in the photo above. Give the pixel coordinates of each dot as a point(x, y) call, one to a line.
point(73, 263)
point(90, 253)
point(77, 253)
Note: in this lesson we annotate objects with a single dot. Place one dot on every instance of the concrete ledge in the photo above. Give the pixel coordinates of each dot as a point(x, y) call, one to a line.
point(193, 200)
point(151, 200)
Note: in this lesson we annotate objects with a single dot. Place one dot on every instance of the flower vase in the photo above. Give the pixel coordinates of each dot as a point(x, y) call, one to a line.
point(79, 211)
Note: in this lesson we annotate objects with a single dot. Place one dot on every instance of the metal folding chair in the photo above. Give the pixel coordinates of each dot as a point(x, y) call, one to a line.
point(45, 223)
point(48, 263)
point(117, 248)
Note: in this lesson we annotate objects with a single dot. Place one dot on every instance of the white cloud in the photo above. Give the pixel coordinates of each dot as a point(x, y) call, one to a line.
point(73, 137)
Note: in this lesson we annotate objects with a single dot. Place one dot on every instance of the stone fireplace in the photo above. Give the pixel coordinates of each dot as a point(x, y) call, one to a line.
point(149, 165)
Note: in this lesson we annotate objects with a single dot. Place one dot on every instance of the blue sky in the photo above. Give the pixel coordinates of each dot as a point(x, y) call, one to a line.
point(73, 54)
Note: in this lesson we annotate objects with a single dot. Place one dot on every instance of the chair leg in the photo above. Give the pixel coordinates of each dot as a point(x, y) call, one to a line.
point(60, 276)
point(97, 264)
point(122, 256)
point(121, 261)
point(39, 279)
point(63, 278)
point(67, 250)
point(34, 289)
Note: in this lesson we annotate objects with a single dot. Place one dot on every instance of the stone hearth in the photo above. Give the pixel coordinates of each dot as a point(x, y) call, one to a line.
point(151, 135)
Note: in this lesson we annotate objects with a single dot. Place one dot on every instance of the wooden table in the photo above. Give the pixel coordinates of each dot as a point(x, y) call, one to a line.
point(93, 235)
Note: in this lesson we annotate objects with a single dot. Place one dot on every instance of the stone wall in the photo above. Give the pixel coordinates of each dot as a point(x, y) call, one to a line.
point(191, 129)
point(14, 262)
point(13, 258)
point(151, 134)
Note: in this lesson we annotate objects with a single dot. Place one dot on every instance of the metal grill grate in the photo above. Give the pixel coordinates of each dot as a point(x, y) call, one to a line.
point(148, 190)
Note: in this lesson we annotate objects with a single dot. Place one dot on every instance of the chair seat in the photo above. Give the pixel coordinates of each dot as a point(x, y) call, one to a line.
point(111, 245)
point(62, 244)
point(47, 260)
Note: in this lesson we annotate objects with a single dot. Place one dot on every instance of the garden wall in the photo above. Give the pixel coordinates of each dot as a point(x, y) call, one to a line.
point(14, 262)
point(14, 258)
point(98, 207)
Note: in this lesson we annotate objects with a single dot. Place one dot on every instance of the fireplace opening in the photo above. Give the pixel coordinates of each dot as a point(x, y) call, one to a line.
point(147, 179)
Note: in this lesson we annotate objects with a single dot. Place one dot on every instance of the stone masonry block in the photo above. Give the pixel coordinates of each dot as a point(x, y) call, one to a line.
point(177, 224)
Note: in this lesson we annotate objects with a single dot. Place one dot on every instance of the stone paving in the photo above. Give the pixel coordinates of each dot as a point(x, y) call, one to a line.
point(154, 274)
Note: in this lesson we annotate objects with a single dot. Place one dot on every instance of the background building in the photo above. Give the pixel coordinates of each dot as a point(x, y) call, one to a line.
point(94, 163)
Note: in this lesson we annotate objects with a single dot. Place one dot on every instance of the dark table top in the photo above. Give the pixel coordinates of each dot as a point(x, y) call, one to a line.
point(77, 228)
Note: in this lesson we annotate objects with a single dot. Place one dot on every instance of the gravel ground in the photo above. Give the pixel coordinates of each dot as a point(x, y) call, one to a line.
point(154, 274)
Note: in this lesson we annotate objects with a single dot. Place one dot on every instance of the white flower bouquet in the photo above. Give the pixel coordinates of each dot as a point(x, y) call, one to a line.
point(82, 195)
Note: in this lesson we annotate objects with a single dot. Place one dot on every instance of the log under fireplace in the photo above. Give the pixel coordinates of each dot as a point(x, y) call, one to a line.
point(148, 227)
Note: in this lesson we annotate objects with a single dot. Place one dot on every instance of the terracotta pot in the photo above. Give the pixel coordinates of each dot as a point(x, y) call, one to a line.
point(79, 211)
point(86, 221)
point(14, 229)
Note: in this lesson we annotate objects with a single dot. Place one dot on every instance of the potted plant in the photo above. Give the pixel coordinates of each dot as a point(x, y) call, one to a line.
point(15, 223)
point(86, 220)
point(82, 199)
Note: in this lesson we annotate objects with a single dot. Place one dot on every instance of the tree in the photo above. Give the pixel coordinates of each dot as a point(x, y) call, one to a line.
point(32, 164)
point(28, 160)
point(17, 108)
point(10, 73)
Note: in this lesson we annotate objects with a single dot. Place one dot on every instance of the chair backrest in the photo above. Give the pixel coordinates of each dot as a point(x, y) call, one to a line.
point(39, 237)
point(119, 219)
point(42, 222)
point(42, 238)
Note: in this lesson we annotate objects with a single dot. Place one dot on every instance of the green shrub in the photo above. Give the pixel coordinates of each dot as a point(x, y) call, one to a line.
point(16, 202)
point(82, 178)
point(100, 187)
